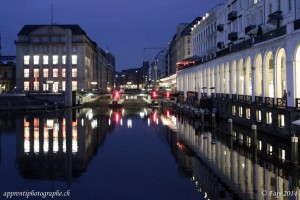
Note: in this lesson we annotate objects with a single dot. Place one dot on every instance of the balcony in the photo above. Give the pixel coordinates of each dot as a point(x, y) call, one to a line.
point(269, 101)
point(221, 45)
point(241, 98)
point(233, 36)
point(281, 102)
point(232, 16)
point(270, 35)
point(248, 99)
point(259, 100)
point(298, 103)
point(248, 28)
point(275, 17)
point(220, 27)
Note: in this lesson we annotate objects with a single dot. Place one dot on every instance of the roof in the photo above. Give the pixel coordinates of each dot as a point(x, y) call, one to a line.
point(76, 29)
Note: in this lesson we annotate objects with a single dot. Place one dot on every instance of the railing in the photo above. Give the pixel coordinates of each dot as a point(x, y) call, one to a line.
point(248, 28)
point(213, 95)
point(248, 99)
point(204, 95)
point(242, 45)
point(241, 98)
point(298, 103)
point(232, 15)
point(258, 100)
point(270, 35)
point(225, 96)
point(281, 102)
point(223, 52)
point(269, 101)
point(218, 95)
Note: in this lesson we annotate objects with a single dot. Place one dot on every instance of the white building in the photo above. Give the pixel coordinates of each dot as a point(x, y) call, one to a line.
point(255, 76)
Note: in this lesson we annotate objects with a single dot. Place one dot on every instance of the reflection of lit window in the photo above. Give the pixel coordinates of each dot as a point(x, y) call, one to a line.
point(281, 122)
point(46, 140)
point(26, 136)
point(258, 115)
point(260, 145)
point(94, 124)
point(283, 154)
point(248, 113)
point(233, 110)
point(241, 111)
point(74, 140)
point(269, 117)
point(36, 142)
point(129, 123)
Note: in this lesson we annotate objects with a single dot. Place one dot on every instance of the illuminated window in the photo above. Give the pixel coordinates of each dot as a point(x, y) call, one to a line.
point(55, 72)
point(248, 113)
point(63, 72)
point(240, 111)
point(35, 85)
point(74, 59)
point(26, 73)
point(260, 145)
point(26, 85)
point(269, 149)
point(63, 86)
point(45, 73)
point(258, 115)
point(26, 60)
point(282, 154)
point(64, 61)
point(36, 60)
point(233, 110)
point(55, 60)
point(269, 117)
point(74, 85)
point(281, 122)
point(74, 72)
point(36, 73)
point(45, 60)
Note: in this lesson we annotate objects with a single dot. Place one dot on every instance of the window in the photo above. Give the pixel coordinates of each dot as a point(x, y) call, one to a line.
point(248, 113)
point(45, 60)
point(74, 85)
point(55, 72)
point(35, 85)
point(281, 122)
point(36, 59)
point(26, 85)
point(240, 111)
point(258, 115)
point(64, 61)
point(45, 73)
point(55, 60)
point(63, 72)
point(63, 86)
point(26, 60)
point(233, 110)
point(269, 117)
point(36, 73)
point(74, 59)
point(26, 73)
point(74, 72)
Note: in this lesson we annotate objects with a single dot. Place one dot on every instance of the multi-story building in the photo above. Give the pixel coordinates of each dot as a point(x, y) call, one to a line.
point(7, 73)
point(41, 60)
point(254, 76)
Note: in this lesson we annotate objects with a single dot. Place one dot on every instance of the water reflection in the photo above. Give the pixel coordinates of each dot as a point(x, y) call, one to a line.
point(228, 166)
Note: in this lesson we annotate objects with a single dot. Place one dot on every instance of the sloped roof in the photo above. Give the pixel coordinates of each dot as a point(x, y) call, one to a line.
point(76, 29)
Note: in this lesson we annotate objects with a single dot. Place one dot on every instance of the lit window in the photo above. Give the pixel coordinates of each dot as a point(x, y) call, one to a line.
point(74, 85)
point(36, 73)
point(269, 117)
point(26, 60)
point(64, 61)
point(26, 85)
point(45, 73)
point(63, 72)
point(45, 60)
point(55, 72)
point(35, 85)
point(63, 86)
point(281, 122)
point(241, 111)
point(36, 59)
point(55, 60)
point(26, 73)
point(269, 149)
point(258, 115)
point(233, 110)
point(74, 59)
point(74, 72)
point(248, 113)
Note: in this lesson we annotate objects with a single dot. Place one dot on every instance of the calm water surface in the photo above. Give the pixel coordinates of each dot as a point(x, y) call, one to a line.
point(95, 154)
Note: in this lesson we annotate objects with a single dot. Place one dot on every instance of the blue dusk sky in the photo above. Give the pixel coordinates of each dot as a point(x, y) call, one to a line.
point(124, 27)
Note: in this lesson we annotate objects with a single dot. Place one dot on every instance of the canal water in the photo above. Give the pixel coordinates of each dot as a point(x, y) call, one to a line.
point(140, 154)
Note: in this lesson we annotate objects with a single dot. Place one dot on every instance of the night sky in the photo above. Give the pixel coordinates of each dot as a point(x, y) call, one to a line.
point(124, 27)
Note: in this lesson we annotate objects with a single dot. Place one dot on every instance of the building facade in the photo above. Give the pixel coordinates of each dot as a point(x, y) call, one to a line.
point(254, 76)
point(41, 60)
point(7, 73)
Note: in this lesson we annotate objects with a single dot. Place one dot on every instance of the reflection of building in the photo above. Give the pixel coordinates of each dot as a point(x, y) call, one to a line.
point(7, 73)
point(46, 150)
point(229, 167)
point(41, 60)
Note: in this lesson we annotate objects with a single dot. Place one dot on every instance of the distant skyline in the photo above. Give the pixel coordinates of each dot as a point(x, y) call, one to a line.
point(123, 27)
